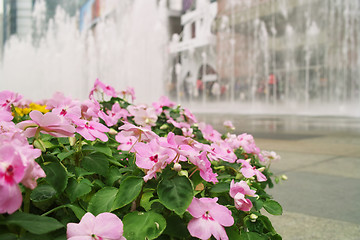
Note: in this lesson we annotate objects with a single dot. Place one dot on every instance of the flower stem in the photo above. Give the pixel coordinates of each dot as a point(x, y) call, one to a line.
point(27, 200)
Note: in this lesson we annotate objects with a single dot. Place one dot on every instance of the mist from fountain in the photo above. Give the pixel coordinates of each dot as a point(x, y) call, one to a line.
point(312, 47)
point(126, 49)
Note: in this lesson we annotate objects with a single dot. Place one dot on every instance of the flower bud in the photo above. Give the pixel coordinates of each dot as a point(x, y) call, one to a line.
point(284, 177)
point(184, 173)
point(72, 141)
point(238, 176)
point(112, 131)
point(40, 145)
point(164, 126)
point(253, 217)
point(177, 167)
point(261, 169)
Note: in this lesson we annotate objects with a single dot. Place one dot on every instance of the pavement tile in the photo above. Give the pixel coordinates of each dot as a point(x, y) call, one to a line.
point(320, 195)
point(298, 226)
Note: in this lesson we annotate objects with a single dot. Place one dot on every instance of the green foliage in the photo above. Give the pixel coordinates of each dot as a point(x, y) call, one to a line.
point(176, 193)
point(102, 201)
point(143, 225)
point(129, 189)
point(273, 207)
point(56, 176)
point(34, 223)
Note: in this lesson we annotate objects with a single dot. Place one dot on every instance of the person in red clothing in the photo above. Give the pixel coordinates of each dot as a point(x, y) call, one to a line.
point(272, 84)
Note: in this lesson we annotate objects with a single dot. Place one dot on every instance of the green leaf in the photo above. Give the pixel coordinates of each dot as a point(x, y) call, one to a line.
point(102, 201)
point(258, 203)
point(145, 200)
point(143, 225)
point(56, 176)
point(34, 223)
point(176, 227)
point(233, 232)
point(78, 189)
point(64, 155)
point(97, 163)
point(220, 188)
point(267, 223)
point(78, 211)
point(103, 149)
point(273, 207)
point(113, 175)
point(8, 236)
point(252, 236)
point(80, 172)
point(129, 189)
point(176, 194)
point(42, 193)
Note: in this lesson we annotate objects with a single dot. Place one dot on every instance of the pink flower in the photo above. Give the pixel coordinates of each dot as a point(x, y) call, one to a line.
point(64, 106)
point(152, 157)
point(143, 115)
point(141, 133)
point(204, 165)
point(28, 154)
point(209, 219)
point(128, 92)
point(12, 170)
point(178, 124)
point(247, 142)
point(163, 102)
point(104, 226)
point(248, 171)
point(8, 129)
point(209, 133)
point(112, 117)
point(228, 124)
point(270, 157)
point(238, 191)
point(180, 145)
point(5, 115)
point(7, 98)
point(126, 142)
point(49, 123)
point(222, 150)
point(90, 109)
point(100, 86)
point(190, 117)
point(91, 130)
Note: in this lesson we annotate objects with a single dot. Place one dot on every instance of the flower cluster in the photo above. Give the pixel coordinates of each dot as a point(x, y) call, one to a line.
point(156, 167)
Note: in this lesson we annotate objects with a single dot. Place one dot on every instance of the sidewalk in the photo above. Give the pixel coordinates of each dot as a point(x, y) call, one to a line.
point(321, 158)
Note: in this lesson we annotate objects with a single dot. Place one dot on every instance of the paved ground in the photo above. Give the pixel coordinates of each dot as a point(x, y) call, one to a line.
point(321, 157)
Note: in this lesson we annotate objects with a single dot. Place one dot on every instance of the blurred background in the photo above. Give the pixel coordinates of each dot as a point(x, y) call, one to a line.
point(259, 56)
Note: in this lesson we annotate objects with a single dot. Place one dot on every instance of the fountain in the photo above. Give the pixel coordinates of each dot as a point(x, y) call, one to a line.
point(284, 56)
point(238, 56)
point(127, 48)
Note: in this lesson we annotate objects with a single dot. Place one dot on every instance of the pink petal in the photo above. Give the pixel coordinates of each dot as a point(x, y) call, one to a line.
point(102, 136)
point(85, 133)
point(108, 225)
point(217, 230)
point(84, 228)
point(50, 119)
point(197, 208)
point(10, 198)
point(222, 215)
point(198, 227)
point(36, 116)
point(81, 238)
point(260, 177)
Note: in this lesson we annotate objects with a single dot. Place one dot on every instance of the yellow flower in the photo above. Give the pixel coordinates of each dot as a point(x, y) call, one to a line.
point(41, 108)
